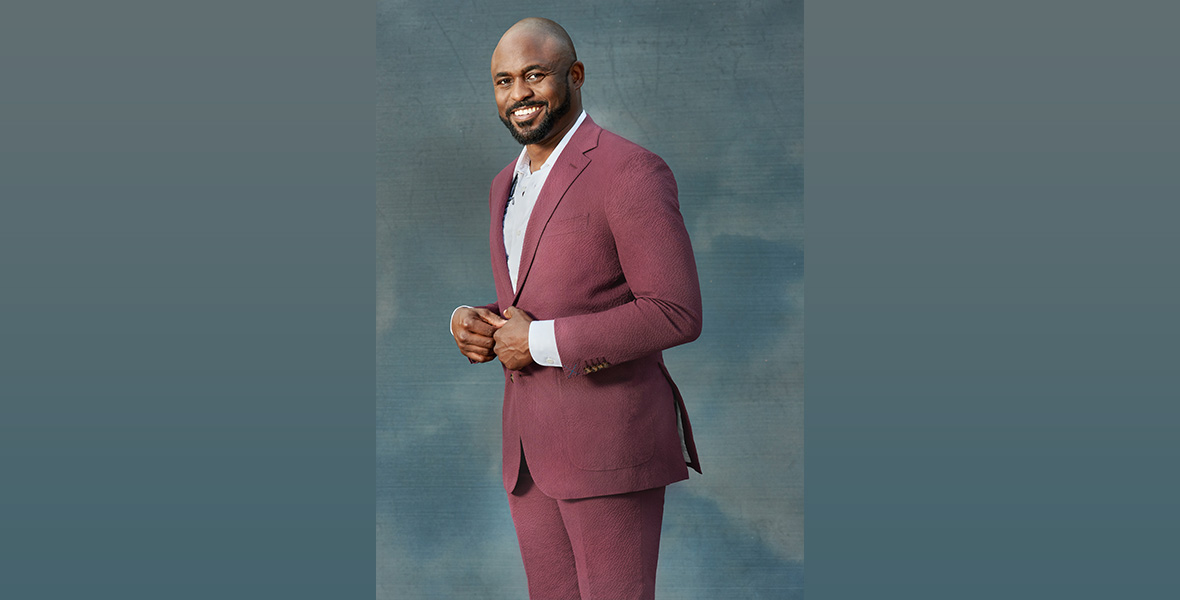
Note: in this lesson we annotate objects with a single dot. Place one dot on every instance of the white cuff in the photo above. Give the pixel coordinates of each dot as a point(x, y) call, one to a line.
point(453, 318)
point(543, 344)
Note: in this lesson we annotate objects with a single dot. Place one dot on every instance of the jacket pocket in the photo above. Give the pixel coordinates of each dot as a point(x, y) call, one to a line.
point(608, 426)
point(570, 225)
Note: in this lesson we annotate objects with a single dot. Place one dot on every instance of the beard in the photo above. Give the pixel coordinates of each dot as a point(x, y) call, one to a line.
point(543, 129)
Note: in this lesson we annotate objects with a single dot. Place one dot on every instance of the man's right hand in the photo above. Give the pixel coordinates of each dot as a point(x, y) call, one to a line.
point(473, 329)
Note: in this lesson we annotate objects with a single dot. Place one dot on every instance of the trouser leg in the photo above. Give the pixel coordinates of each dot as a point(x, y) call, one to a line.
point(599, 548)
point(545, 547)
point(616, 543)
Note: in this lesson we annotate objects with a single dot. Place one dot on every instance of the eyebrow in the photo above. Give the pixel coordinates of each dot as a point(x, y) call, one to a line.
point(525, 70)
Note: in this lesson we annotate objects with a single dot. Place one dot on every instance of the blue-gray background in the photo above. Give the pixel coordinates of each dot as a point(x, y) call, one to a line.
point(170, 168)
point(717, 94)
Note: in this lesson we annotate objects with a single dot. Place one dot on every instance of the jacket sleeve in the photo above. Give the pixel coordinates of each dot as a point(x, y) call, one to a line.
point(657, 261)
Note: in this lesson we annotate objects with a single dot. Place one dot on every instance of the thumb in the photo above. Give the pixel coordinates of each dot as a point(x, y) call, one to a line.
point(491, 317)
point(511, 311)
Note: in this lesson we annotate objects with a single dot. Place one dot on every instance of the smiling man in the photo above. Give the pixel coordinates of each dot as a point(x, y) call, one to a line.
point(594, 278)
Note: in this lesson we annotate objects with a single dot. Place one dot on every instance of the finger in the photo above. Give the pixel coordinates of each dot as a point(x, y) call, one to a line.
point(484, 313)
point(483, 345)
point(478, 358)
point(463, 336)
point(515, 313)
point(469, 340)
point(478, 327)
point(477, 351)
point(490, 317)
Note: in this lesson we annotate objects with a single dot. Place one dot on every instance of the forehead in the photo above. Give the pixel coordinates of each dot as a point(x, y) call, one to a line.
point(518, 50)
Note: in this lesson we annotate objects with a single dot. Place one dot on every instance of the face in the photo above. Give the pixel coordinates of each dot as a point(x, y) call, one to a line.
point(531, 121)
point(532, 85)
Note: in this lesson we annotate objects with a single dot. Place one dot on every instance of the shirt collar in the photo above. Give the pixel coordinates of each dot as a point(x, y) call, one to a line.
point(522, 162)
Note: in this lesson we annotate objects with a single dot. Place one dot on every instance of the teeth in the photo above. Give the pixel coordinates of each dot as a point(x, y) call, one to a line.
point(526, 111)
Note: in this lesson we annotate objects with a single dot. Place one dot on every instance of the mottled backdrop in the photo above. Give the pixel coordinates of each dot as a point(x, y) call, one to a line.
point(714, 88)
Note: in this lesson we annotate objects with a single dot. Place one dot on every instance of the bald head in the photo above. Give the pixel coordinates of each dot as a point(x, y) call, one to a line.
point(544, 31)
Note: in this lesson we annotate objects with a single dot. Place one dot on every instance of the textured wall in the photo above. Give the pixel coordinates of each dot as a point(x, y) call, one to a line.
point(716, 89)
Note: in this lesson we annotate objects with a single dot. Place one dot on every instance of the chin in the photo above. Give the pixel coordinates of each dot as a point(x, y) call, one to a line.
point(527, 129)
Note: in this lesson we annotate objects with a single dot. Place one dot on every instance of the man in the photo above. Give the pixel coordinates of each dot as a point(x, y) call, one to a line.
point(594, 277)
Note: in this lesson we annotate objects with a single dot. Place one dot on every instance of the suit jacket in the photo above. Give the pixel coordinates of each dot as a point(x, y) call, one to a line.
point(607, 256)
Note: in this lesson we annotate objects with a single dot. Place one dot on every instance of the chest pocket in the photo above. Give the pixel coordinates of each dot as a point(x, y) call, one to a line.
point(563, 226)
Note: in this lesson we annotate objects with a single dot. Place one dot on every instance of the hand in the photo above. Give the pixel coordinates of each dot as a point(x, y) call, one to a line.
point(512, 339)
point(473, 329)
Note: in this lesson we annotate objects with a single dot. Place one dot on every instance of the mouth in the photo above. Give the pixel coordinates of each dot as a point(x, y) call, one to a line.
point(525, 114)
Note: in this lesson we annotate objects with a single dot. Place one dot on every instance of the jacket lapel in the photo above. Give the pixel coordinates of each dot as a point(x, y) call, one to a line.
point(571, 163)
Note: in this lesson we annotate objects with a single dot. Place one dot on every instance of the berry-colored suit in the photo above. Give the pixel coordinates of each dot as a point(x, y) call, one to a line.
point(606, 255)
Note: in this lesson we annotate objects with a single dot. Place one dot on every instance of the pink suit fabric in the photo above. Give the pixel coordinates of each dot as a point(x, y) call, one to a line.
point(606, 254)
point(601, 548)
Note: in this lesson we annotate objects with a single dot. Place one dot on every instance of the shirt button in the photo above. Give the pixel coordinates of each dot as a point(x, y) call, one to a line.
point(549, 360)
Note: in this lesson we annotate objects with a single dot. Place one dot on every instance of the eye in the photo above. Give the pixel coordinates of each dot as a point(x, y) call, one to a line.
point(534, 77)
point(502, 81)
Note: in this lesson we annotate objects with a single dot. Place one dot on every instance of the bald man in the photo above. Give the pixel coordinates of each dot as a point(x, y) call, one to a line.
point(594, 278)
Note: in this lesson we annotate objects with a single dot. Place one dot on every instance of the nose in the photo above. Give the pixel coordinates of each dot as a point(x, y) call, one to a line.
point(520, 90)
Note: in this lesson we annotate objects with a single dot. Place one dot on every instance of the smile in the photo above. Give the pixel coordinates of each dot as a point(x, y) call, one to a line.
point(526, 113)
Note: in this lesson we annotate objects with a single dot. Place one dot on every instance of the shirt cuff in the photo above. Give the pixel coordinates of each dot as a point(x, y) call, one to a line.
point(543, 344)
point(452, 320)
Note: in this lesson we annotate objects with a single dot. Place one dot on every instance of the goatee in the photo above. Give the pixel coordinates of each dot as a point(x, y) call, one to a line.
point(543, 129)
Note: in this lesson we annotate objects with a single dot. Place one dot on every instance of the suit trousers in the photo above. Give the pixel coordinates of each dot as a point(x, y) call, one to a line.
point(600, 548)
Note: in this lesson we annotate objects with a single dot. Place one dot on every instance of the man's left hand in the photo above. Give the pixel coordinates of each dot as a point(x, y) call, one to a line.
point(512, 340)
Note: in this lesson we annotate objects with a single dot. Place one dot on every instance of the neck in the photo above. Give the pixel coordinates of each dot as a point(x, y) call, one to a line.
point(539, 152)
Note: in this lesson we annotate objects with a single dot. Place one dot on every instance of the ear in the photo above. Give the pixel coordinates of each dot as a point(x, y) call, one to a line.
point(577, 75)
